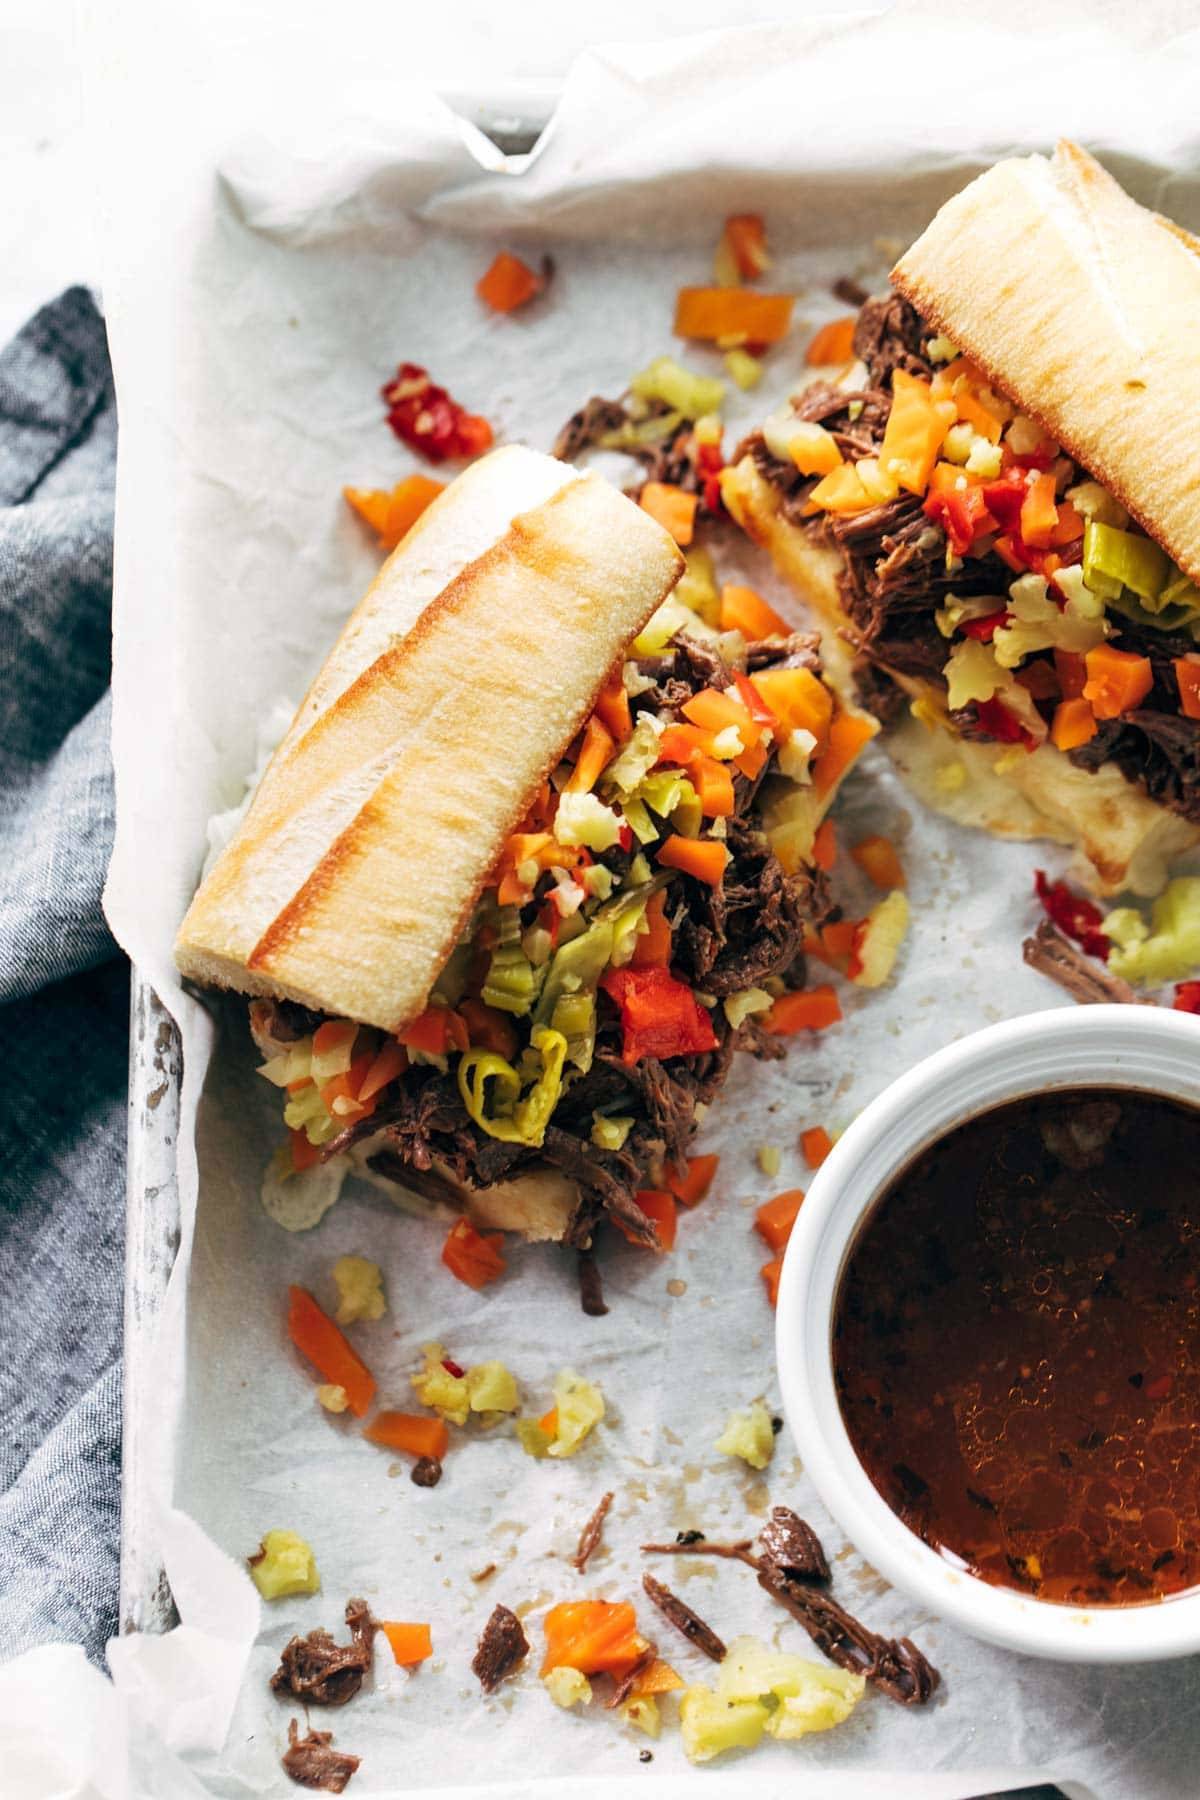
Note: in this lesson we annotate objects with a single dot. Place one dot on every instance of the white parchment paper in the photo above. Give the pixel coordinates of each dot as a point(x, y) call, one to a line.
point(281, 251)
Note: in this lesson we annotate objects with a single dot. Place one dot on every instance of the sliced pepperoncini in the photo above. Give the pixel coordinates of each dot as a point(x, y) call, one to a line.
point(515, 1120)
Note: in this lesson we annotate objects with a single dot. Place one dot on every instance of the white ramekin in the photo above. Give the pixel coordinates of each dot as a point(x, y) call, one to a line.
point(1143, 1047)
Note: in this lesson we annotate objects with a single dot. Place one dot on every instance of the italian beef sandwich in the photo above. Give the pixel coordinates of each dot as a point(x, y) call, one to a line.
point(995, 504)
point(530, 864)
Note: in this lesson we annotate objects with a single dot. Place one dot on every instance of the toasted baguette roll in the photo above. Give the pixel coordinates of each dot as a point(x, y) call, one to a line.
point(1078, 305)
point(455, 687)
point(1081, 306)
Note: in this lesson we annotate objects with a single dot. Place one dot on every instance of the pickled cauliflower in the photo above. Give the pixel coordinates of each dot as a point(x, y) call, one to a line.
point(567, 1687)
point(760, 1690)
point(488, 1388)
point(284, 1564)
point(1168, 949)
point(578, 1406)
point(359, 1283)
point(749, 1435)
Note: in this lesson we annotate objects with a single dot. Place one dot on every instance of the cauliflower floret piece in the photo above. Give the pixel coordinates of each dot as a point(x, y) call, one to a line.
point(578, 1406)
point(749, 1435)
point(1168, 949)
point(437, 1388)
point(491, 1387)
point(643, 1714)
point(711, 1724)
point(567, 1687)
point(359, 1283)
point(284, 1564)
point(333, 1398)
point(810, 1696)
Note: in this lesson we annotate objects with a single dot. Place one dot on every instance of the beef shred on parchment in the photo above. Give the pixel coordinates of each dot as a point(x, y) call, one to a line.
point(502, 1649)
point(593, 1531)
point(684, 1619)
point(321, 1672)
point(312, 1762)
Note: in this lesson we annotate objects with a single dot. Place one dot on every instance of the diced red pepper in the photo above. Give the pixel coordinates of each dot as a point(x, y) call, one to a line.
point(1005, 498)
point(424, 417)
point(1187, 997)
point(962, 514)
point(452, 1368)
point(986, 628)
point(1001, 724)
point(660, 1016)
point(1076, 917)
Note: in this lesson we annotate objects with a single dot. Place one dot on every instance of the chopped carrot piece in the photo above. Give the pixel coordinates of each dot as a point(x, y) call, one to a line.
point(1070, 524)
point(770, 1273)
point(549, 1422)
point(745, 611)
point(721, 312)
point(594, 1636)
point(746, 236)
point(659, 1678)
point(876, 857)
point(437, 1030)
point(692, 1182)
point(682, 744)
point(797, 698)
point(1074, 723)
point(807, 1009)
point(612, 709)
point(653, 948)
point(714, 787)
point(841, 491)
point(1118, 680)
point(824, 850)
point(915, 431)
point(304, 1154)
point(972, 409)
point(595, 752)
point(508, 283)
point(704, 858)
point(410, 1643)
point(417, 1434)
point(816, 1144)
point(836, 942)
point(774, 1219)
point(1187, 675)
point(659, 1207)
point(1039, 514)
point(849, 733)
point(489, 1028)
point(342, 1095)
point(1072, 673)
point(333, 1035)
point(471, 1257)
point(322, 1344)
point(674, 509)
point(833, 343)
point(393, 515)
point(714, 711)
point(391, 1061)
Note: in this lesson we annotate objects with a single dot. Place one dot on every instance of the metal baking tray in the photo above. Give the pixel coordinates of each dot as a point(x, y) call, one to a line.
point(513, 119)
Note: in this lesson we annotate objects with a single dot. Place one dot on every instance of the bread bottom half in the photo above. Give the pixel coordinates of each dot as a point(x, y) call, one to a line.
point(1123, 840)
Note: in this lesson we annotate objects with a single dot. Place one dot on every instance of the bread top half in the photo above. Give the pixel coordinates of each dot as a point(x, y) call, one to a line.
point(456, 685)
point(1082, 307)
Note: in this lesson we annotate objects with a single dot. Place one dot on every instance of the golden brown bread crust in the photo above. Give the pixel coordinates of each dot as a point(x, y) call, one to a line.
point(1081, 306)
point(1123, 839)
point(388, 802)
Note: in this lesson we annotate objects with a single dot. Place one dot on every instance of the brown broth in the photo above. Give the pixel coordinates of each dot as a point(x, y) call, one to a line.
point(1017, 1346)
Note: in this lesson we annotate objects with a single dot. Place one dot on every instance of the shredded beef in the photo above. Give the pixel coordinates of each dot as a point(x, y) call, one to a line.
point(629, 1680)
point(321, 1672)
point(594, 420)
point(591, 1288)
point(894, 1665)
point(891, 334)
point(852, 292)
point(593, 1531)
point(798, 650)
point(502, 1649)
point(1158, 751)
point(684, 1619)
point(1085, 979)
point(312, 1762)
point(734, 936)
point(786, 1542)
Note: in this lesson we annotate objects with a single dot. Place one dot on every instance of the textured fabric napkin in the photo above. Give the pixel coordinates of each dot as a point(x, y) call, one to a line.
point(63, 992)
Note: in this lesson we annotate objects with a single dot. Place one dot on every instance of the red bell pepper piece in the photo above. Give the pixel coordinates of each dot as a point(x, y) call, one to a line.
point(660, 1016)
point(986, 628)
point(962, 514)
point(999, 723)
point(1187, 997)
point(1005, 498)
point(424, 417)
point(1076, 917)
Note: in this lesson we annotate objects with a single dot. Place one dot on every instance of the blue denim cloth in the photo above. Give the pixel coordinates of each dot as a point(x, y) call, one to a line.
point(63, 992)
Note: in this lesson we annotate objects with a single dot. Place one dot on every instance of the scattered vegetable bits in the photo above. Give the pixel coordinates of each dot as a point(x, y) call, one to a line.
point(764, 1691)
point(833, 343)
point(749, 1435)
point(774, 1219)
point(424, 417)
point(578, 1408)
point(877, 858)
point(593, 1637)
point(392, 515)
point(508, 283)
point(414, 1433)
point(807, 1009)
point(319, 1340)
point(283, 1564)
point(692, 1182)
point(732, 316)
point(472, 1257)
point(815, 1144)
point(659, 1208)
point(673, 507)
point(411, 1644)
